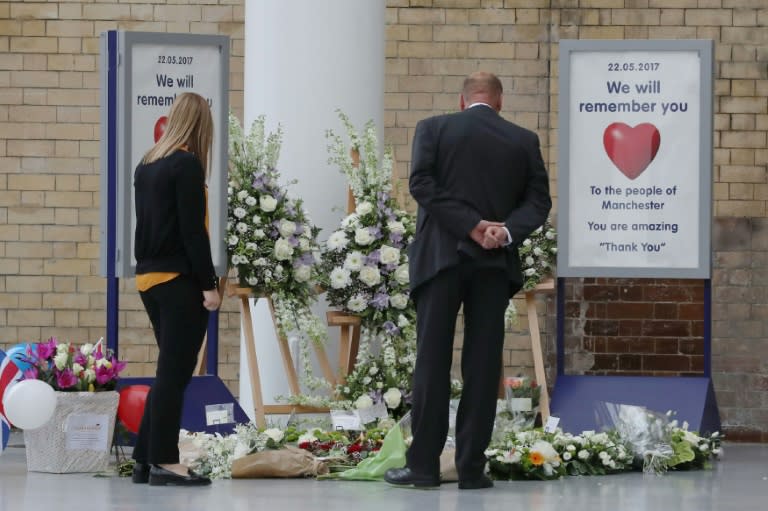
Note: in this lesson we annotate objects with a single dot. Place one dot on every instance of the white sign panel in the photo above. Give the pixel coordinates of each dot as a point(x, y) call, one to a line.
point(87, 431)
point(636, 174)
point(153, 69)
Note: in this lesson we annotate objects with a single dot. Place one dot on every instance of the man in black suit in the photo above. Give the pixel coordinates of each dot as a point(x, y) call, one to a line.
point(482, 188)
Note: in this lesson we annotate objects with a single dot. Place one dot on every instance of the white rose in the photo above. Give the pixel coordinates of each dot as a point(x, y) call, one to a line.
point(60, 360)
point(530, 271)
point(364, 208)
point(267, 203)
point(354, 261)
point(252, 281)
point(401, 274)
point(370, 276)
point(363, 236)
point(567, 456)
point(337, 241)
point(303, 273)
point(86, 349)
point(550, 235)
point(393, 397)
point(583, 454)
point(402, 321)
point(398, 301)
point(275, 434)
point(364, 401)
point(256, 220)
point(527, 242)
point(239, 212)
point(283, 250)
point(529, 261)
point(232, 240)
point(286, 228)
point(396, 227)
point(258, 234)
point(367, 380)
point(357, 303)
point(250, 201)
point(340, 278)
point(350, 220)
point(389, 255)
point(537, 251)
point(241, 227)
point(242, 194)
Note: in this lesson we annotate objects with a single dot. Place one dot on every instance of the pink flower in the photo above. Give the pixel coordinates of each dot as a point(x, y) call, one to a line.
point(66, 379)
point(46, 350)
point(31, 373)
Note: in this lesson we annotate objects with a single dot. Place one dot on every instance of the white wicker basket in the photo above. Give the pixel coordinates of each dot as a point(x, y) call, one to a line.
point(50, 447)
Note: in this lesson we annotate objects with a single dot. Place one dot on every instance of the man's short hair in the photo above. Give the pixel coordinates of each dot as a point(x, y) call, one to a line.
point(482, 82)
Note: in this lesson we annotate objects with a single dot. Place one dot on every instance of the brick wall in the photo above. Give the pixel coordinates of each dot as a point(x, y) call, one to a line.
point(49, 169)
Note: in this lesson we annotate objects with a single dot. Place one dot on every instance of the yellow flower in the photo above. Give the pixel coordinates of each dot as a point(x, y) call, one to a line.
point(536, 458)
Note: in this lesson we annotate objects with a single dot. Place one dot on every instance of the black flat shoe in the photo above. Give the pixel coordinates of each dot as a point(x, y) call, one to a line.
point(159, 476)
point(140, 473)
point(404, 477)
point(480, 483)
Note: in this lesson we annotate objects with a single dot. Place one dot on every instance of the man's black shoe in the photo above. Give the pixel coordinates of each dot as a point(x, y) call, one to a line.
point(404, 477)
point(140, 473)
point(480, 483)
point(161, 477)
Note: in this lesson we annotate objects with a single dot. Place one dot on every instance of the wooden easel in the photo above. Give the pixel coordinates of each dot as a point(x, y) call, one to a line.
point(545, 287)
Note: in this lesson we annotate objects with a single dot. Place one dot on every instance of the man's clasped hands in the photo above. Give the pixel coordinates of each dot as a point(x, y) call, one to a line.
point(489, 235)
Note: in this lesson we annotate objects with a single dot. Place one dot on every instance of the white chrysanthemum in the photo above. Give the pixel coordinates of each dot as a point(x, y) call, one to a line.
point(240, 212)
point(337, 241)
point(283, 250)
point(363, 236)
point(389, 255)
point(232, 240)
point(393, 397)
point(242, 194)
point(527, 242)
point(567, 456)
point(354, 261)
point(396, 227)
point(370, 276)
point(401, 274)
point(252, 281)
point(340, 278)
point(251, 201)
point(583, 454)
point(357, 303)
point(364, 401)
point(286, 228)
point(550, 235)
point(303, 273)
point(256, 220)
point(364, 208)
point(241, 227)
point(398, 301)
point(267, 203)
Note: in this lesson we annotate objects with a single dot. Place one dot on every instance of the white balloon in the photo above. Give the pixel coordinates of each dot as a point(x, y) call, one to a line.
point(29, 404)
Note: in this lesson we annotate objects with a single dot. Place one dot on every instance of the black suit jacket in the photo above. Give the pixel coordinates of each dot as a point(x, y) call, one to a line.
point(466, 167)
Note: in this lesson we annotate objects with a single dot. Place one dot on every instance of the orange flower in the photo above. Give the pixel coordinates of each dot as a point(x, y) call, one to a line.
point(536, 458)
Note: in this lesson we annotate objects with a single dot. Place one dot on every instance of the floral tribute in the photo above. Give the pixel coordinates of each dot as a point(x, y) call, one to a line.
point(364, 270)
point(270, 239)
point(65, 367)
point(538, 254)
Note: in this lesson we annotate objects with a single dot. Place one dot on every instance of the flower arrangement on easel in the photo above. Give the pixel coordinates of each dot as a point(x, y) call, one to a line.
point(364, 270)
point(271, 242)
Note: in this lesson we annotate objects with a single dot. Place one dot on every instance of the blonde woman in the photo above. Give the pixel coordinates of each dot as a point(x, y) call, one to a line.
point(175, 278)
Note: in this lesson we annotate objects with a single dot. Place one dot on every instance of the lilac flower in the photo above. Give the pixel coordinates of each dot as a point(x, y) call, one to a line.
point(31, 373)
point(380, 301)
point(391, 328)
point(375, 232)
point(373, 257)
point(258, 182)
point(294, 241)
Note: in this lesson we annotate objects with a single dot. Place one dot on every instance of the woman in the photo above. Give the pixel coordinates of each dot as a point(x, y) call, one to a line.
point(175, 278)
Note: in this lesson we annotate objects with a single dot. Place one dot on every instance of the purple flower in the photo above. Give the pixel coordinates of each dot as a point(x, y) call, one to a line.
point(294, 241)
point(391, 328)
point(396, 238)
point(81, 359)
point(375, 232)
point(380, 301)
point(104, 374)
point(31, 373)
point(46, 350)
point(258, 182)
point(65, 379)
point(373, 258)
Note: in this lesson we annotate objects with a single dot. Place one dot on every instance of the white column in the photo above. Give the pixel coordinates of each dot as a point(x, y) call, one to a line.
point(303, 60)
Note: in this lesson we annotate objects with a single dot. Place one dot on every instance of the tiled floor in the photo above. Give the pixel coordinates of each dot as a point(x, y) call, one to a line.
point(738, 482)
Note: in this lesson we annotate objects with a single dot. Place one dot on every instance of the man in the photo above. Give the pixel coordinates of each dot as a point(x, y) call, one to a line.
point(482, 188)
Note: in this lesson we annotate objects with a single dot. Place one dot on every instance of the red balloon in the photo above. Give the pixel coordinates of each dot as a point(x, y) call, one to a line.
point(160, 125)
point(130, 409)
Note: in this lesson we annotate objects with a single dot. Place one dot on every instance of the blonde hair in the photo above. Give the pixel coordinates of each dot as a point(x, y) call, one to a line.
point(189, 124)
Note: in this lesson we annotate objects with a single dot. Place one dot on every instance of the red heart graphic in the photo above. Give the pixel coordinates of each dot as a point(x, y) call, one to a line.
point(160, 126)
point(631, 149)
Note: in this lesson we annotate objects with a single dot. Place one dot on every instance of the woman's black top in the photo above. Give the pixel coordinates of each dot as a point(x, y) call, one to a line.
point(170, 218)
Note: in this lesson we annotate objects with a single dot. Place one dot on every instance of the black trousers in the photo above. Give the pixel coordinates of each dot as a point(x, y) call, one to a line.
point(484, 293)
point(179, 320)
